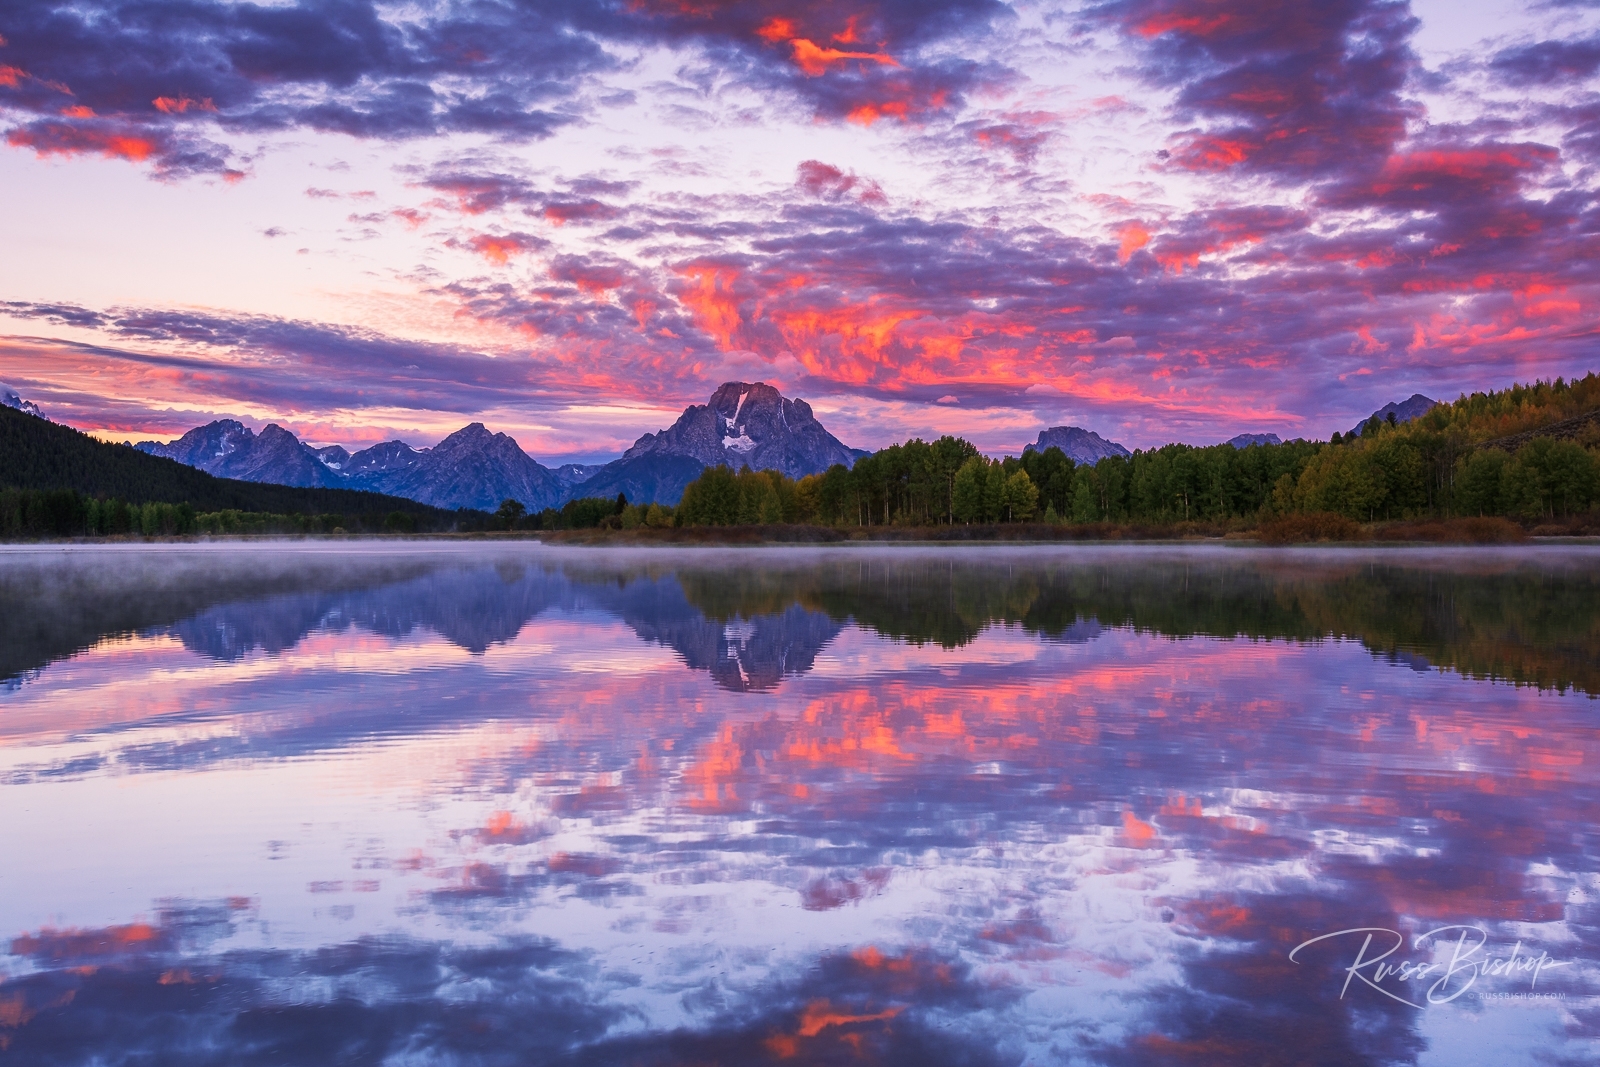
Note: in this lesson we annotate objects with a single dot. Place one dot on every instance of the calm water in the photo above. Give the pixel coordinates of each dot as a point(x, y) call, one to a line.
point(514, 805)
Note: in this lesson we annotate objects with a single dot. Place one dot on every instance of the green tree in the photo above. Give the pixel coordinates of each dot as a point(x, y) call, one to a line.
point(710, 500)
point(1085, 499)
point(1560, 472)
point(509, 514)
point(967, 491)
point(1477, 482)
point(994, 491)
point(1021, 497)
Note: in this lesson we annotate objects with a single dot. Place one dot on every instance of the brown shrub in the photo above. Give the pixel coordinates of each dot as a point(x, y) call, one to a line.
point(1466, 531)
point(1313, 526)
point(1485, 531)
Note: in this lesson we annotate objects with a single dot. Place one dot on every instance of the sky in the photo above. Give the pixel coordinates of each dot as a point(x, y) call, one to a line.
point(1157, 219)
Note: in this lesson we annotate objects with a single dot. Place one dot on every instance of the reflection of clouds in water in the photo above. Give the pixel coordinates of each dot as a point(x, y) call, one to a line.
point(1100, 834)
point(170, 992)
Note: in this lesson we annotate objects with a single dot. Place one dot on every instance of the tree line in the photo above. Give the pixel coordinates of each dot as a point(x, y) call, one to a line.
point(1445, 463)
point(1452, 461)
point(31, 513)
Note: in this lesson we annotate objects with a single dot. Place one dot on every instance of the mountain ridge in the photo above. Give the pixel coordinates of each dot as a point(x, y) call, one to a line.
point(1414, 406)
point(1080, 445)
point(10, 398)
point(743, 424)
point(39, 454)
point(472, 468)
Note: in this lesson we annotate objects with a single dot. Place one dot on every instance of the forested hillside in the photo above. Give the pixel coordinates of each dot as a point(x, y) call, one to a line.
point(57, 481)
point(1526, 453)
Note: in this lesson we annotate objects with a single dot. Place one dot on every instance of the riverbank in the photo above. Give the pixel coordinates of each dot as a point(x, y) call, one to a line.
point(1286, 530)
point(1289, 530)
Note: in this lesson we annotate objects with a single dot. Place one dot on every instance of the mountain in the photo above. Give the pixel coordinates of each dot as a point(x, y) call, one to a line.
point(743, 425)
point(472, 468)
point(40, 455)
point(382, 459)
point(1080, 445)
point(1404, 411)
point(656, 478)
point(229, 449)
point(334, 456)
point(10, 399)
point(571, 474)
point(1245, 440)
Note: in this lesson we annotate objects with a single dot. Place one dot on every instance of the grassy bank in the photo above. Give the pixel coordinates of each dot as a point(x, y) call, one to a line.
point(1289, 530)
point(1322, 528)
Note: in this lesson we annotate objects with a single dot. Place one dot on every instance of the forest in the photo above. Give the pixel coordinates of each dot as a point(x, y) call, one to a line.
point(1528, 453)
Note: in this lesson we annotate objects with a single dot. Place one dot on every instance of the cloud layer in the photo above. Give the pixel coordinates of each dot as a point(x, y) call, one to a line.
point(1279, 218)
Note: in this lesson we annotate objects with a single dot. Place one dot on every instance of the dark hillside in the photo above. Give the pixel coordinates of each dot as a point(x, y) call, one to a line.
point(40, 455)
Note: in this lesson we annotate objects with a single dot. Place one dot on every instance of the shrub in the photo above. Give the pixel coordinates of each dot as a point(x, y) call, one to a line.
point(1312, 526)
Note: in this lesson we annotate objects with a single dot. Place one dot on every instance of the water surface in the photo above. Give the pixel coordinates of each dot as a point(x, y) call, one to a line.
point(512, 804)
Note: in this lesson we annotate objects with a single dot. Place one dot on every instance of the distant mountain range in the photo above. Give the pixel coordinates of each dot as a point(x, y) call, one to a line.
point(41, 455)
point(472, 468)
point(743, 425)
point(1080, 445)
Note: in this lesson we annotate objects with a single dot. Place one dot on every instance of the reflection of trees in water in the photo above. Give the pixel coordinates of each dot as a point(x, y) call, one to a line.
point(751, 625)
point(1520, 623)
point(871, 772)
point(226, 609)
point(54, 605)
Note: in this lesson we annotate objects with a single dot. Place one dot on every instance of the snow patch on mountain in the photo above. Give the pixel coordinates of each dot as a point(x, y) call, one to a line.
point(11, 399)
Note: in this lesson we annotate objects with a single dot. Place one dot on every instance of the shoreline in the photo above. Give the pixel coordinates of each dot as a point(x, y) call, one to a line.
point(736, 537)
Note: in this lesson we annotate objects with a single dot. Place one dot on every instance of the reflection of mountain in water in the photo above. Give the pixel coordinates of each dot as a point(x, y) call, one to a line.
point(481, 607)
point(750, 626)
point(744, 654)
point(474, 609)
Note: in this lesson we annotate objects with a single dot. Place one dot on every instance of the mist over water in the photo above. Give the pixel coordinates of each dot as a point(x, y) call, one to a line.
point(329, 803)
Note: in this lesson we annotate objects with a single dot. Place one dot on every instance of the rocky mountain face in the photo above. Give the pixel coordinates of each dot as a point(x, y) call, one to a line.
point(571, 474)
point(743, 425)
point(230, 449)
point(336, 457)
point(382, 459)
point(657, 478)
point(10, 399)
point(1245, 440)
point(1413, 406)
point(472, 468)
point(1080, 445)
point(753, 426)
